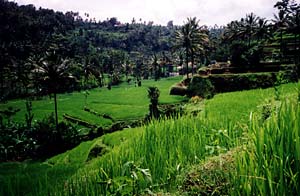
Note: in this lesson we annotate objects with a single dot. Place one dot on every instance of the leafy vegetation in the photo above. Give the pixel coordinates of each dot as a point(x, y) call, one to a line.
point(201, 87)
point(40, 140)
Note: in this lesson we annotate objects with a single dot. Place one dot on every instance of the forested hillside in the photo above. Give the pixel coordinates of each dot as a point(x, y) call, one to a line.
point(93, 46)
point(102, 52)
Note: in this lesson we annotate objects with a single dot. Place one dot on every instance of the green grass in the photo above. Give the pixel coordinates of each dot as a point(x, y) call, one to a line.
point(122, 102)
point(237, 106)
point(152, 157)
point(270, 165)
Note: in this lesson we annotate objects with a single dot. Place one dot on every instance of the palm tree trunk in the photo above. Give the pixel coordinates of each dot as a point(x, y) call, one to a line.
point(297, 60)
point(187, 62)
point(281, 49)
point(192, 59)
point(55, 109)
point(249, 42)
point(249, 38)
point(1, 82)
point(295, 49)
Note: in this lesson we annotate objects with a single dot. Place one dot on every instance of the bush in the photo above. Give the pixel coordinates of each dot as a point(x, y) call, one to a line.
point(16, 142)
point(201, 86)
point(238, 82)
point(178, 89)
point(244, 55)
point(41, 140)
point(238, 50)
point(50, 141)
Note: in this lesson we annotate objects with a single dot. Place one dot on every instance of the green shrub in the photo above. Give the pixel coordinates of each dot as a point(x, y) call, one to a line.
point(238, 82)
point(178, 89)
point(244, 54)
point(238, 50)
point(201, 86)
point(41, 140)
point(16, 142)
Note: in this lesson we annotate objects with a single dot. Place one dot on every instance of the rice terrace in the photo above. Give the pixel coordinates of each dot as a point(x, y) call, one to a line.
point(130, 98)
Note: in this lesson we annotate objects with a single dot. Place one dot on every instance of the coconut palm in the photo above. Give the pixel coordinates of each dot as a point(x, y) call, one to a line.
point(281, 23)
point(243, 29)
point(294, 27)
point(53, 73)
point(250, 26)
point(231, 31)
point(263, 30)
point(192, 38)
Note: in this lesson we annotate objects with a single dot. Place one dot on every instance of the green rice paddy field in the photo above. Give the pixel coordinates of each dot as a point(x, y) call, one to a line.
point(121, 102)
point(158, 158)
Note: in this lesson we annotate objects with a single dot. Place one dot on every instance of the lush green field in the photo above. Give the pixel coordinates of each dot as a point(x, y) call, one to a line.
point(156, 157)
point(122, 102)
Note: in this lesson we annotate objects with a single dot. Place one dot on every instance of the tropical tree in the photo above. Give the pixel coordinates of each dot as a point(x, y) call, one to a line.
point(233, 31)
point(263, 31)
point(200, 41)
point(53, 72)
point(250, 26)
point(192, 38)
point(294, 28)
point(288, 21)
point(281, 24)
point(181, 59)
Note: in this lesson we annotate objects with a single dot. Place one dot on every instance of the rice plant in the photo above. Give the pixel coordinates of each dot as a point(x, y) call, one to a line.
point(153, 161)
point(271, 163)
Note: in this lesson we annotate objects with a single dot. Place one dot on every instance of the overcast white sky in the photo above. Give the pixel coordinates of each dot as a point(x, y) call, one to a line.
point(209, 12)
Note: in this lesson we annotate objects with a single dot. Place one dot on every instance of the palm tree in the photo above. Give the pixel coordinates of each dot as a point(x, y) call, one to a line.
point(53, 72)
point(192, 38)
point(294, 27)
point(231, 31)
point(243, 29)
point(183, 38)
point(281, 25)
point(250, 26)
point(181, 60)
point(263, 30)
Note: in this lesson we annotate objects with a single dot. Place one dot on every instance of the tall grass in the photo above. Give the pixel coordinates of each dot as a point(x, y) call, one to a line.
point(271, 165)
point(155, 159)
